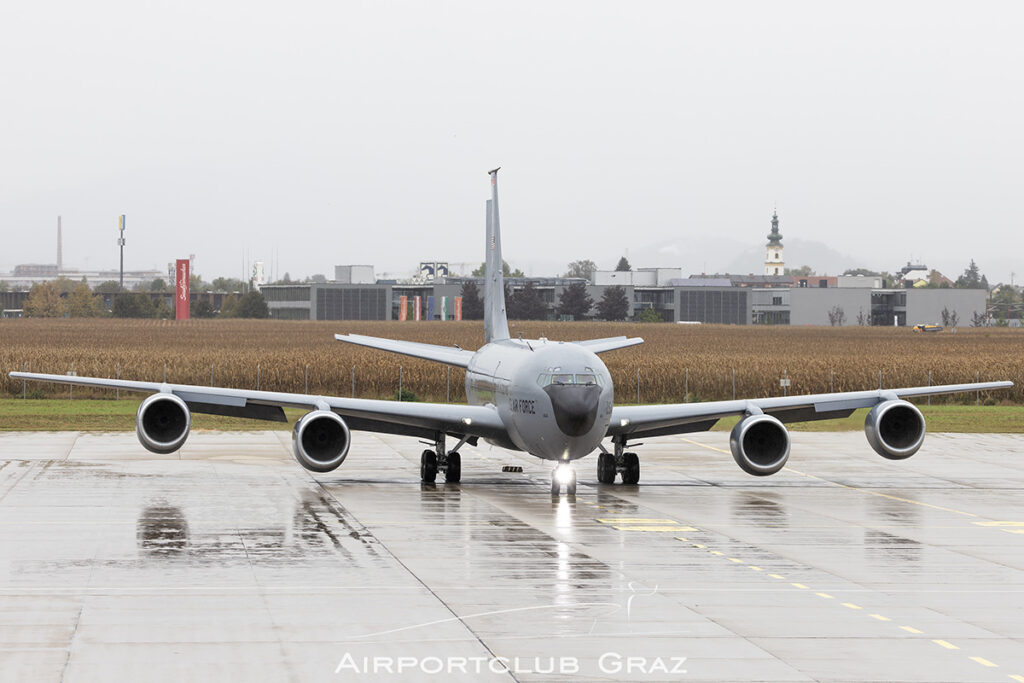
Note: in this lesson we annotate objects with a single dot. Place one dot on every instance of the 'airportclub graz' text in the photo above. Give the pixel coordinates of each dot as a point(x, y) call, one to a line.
point(607, 663)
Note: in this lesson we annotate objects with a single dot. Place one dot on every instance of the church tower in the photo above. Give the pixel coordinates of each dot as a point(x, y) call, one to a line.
point(774, 263)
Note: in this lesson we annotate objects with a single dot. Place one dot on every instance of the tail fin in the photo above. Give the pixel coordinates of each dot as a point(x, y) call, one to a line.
point(495, 322)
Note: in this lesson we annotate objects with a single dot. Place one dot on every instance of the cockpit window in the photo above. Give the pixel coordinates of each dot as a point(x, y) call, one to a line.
point(546, 379)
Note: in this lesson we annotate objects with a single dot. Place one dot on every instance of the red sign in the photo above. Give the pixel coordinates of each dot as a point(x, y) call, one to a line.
point(417, 314)
point(458, 308)
point(181, 269)
point(403, 308)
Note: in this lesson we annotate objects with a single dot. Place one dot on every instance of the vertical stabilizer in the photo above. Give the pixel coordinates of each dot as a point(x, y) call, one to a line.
point(495, 322)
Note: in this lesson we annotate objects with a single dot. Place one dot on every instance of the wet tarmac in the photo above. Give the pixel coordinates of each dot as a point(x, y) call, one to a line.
point(229, 562)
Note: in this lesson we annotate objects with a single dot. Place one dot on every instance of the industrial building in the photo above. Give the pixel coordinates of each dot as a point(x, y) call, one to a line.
point(699, 300)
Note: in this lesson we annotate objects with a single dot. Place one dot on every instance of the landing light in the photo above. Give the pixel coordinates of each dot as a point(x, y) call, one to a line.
point(563, 474)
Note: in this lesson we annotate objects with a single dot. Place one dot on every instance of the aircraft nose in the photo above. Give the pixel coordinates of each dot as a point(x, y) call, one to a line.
point(575, 406)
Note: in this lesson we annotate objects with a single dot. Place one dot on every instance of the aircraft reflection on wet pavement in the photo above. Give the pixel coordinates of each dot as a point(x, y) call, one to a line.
point(551, 399)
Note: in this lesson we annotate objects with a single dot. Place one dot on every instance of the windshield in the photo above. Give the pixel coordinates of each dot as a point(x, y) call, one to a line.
point(567, 378)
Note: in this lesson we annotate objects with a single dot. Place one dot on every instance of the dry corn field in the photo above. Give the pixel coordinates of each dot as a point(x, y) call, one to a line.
point(301, 356)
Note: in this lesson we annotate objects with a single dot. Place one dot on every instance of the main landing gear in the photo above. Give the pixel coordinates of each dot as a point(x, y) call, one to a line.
point(610, 464)
point(440, 460)
point(563, 475)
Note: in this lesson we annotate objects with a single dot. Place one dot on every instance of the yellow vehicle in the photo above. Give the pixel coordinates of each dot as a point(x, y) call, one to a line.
point(927, 327)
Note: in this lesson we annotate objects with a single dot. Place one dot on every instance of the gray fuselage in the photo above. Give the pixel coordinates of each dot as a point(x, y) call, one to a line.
point(555, 398)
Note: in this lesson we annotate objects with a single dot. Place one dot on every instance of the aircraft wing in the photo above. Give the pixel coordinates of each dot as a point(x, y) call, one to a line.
point(390, 417)
point(609, 343)
point(680, 418)
point(442, 354)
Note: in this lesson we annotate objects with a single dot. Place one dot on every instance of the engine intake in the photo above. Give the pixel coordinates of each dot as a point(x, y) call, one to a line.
point(321, 440)
point(895, 429)
point(760, 445)
point(163, 423)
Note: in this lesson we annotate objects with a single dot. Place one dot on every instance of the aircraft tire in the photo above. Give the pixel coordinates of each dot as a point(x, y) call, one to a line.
point(570, 488)
point(556, 488)
point(631, 473)
point(606, 468)
point(453, 473)
point(428, 467)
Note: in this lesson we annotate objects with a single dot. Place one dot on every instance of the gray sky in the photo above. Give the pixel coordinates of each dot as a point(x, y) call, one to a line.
point(361, 132)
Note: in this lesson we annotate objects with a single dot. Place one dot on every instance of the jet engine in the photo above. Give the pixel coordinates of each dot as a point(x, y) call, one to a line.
point(321, 439)
point(895, 429)
point(760, 445)
point(162, 423)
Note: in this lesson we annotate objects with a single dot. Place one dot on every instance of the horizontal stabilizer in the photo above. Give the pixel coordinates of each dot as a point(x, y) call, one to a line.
point(441, 354)
point(609, 343)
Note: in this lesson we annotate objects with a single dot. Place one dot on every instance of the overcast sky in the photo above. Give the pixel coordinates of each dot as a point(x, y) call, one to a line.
point(313, 134)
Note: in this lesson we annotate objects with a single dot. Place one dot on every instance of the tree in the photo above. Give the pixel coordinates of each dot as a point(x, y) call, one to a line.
point(200, 308)
point(978, 319)
point(614, 305)
point(649, 315)
point(44, 301)
point(575, 301)
point(954, 319)
point(108, 287)
point(1006, 301)
point(472, 304)
point(252, 305)
point(862, 319)
point(526, 304)
point(82, 303)
point(158, 285)
point(623, 265)
point(972, 278)
point(229, 284)
point(132, 305)
point(228, 306)
point(196, 284)
point(836, 316)
point(584, 268)
point(317, 279)
point(506, 270)
point(802, 271)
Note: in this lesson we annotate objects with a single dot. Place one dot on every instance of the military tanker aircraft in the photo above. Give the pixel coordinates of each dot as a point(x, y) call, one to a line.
point(551, 399)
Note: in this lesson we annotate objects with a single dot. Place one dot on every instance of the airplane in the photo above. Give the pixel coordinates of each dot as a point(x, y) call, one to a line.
point(551, 399)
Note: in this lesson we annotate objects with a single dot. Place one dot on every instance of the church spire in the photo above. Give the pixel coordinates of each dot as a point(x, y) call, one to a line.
point(774, 237)
point(774, 262)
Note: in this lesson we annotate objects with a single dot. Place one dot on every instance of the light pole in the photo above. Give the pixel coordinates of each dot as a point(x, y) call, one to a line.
point(120, 243)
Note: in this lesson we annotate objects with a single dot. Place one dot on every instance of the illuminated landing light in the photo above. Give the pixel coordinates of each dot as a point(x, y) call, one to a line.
point(623, 422)
point(467, 421)
point(564, 474)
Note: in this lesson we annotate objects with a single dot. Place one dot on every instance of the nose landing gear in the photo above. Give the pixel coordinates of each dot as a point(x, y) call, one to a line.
point(563, 475)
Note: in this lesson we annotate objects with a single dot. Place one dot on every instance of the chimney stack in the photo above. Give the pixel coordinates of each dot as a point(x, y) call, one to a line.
point(60, 249)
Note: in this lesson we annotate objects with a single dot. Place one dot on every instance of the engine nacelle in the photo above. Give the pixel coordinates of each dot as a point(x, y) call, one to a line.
point(321, 440)
point(162, 423)
point(895, 429)
point(760, 445)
